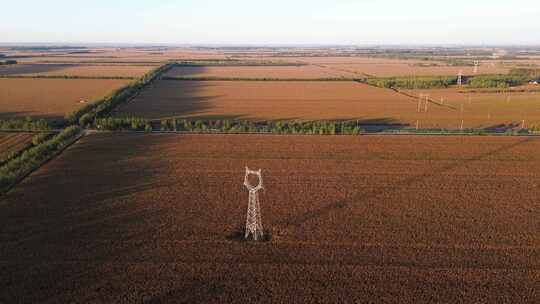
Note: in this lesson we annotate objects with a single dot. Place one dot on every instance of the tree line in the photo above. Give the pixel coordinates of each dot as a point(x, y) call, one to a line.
point(36, 141)
point(18, 167)
point(27, 124)
point(276, 127)
point(424, 82)
point(215, 78)
point(106, 104)
point(8, 62)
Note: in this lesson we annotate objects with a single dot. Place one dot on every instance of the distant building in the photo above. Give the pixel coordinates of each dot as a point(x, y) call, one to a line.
point(534, 82)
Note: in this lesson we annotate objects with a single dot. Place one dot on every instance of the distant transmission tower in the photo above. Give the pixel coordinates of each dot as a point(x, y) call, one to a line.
point(476, 65)
point(253, 221)
point(460, 78)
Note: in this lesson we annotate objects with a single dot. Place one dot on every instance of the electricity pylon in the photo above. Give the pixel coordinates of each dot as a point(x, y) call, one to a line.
point(253, 221)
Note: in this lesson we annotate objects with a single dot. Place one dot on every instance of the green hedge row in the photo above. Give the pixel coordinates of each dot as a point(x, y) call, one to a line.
point(413, 82)
point(225, 63)
point(496, 81)
point(31, 159)
point(527, 74)
point(126, 123)
point(276, 127)
point(212, 78)
point(8, 62)
point(27, 124)
point(64, 77)
point(36, 141)
point(107, 104)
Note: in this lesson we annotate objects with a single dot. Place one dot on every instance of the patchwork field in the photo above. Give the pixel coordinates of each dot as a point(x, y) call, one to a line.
point(283, 72)
point(13, 143)
point(75, 70)
point(112, 55)
point(146, 217)
point(267, 100)
point(50, 98)
point(381, 67)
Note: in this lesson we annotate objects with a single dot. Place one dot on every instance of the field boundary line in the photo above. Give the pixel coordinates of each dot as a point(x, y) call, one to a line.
point(51, 157)
point(387, 133)
point(67, 77)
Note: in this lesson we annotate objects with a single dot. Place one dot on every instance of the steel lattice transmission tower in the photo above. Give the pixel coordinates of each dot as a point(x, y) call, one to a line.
point(460, 78)
point(253, 221)
point(476, 65)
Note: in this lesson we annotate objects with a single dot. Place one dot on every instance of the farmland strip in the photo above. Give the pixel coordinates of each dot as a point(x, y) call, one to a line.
point(18, 168)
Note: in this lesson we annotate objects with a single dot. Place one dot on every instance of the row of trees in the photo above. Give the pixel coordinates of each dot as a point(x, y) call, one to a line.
point(8, 62)
point(496, 81)
point(229, 62)
point(434, 82)
point(107, 104)
point(66, 77)
point(17, 168)
point(124, 123)
point(276, 127)
point(516, 77)
point(36, 141)
point(214, 78)
point(27, 124)
point(527, 74)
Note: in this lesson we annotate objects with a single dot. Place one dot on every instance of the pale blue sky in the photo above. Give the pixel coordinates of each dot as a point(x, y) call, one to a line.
point(272, 21)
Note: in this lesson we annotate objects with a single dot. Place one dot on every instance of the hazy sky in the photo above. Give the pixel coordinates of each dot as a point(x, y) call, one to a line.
point(272, 21)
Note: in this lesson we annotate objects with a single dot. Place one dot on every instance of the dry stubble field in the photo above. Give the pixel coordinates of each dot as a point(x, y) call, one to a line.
point(133, 217)
point(262, 100)
point(383, 67)
point(281, 72)
point(13, 142)
point(267, 100)
point(50, 98)
point(484, 109)
point(80, 70)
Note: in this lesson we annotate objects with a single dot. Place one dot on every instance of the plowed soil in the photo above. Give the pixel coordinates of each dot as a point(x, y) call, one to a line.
point(485, 109)
point(382, 67)
point(13, 142)
point(50, 98)
point(154, 218)
point(281, 72)
point(267, 100)
point(75, 70)
point(260, 100)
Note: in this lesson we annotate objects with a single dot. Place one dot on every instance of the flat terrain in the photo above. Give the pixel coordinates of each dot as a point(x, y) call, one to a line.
point(269, 100)
point(146, 217)
point(483, 109)
point(113, 55)
point(281, 72)
point(75, 70)
point(383, 67)
point(50, 98)
point(13, 142)
point(333, 101)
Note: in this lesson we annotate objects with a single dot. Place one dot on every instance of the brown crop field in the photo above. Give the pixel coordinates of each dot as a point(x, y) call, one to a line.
point(13, 142)
point(367, 219)
point(483, 109)
point(261, 100)
point(266, 100)
point(381, 67)
point(111, 55)
point(50, 98)
point(283, 72)
point(75, 70)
